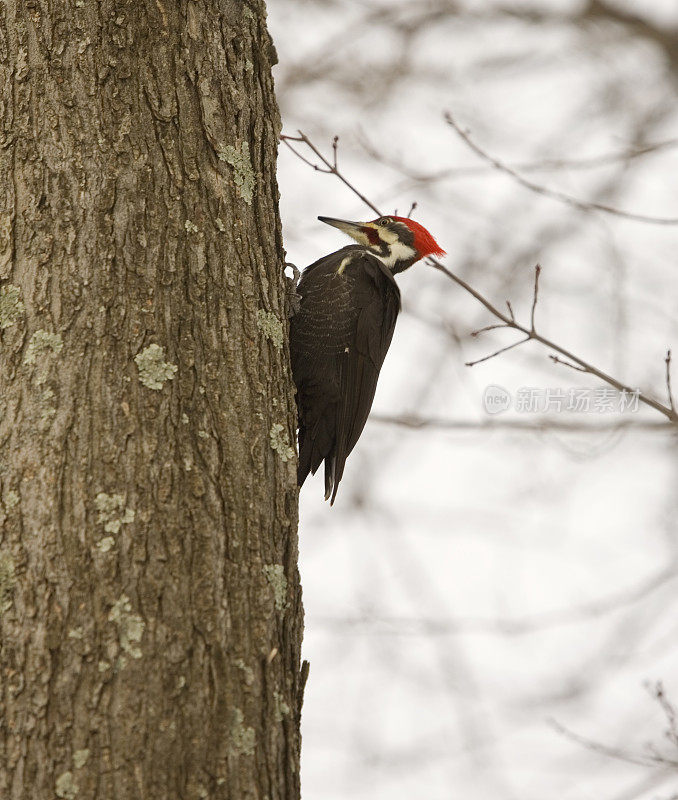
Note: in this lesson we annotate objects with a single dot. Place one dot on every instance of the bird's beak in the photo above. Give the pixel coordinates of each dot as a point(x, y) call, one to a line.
point(356, 230)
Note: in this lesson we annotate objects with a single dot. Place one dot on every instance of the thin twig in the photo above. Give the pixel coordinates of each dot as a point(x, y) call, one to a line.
point(535, 296)
point(667, 361)
point(659, 694)
point(287, 139)
point(582, 205)
point(497, 352)
point(335, 147)
point(489, 328)
point(508, 319)
point(557, 360)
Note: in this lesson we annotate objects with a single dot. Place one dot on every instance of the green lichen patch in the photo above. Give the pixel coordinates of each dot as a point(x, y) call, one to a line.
point(220, 225)
point(190, 227)
point(281, 709)
point(80, 758)
point(7, 581)
point(242, 737)
point(243, 174)
point(43, 342)
point(106, 544)
point(65, 786)
point(248, 672)
point(153, 369)
point(46, 407)
point(11, 499)
point(275, 575)
point(280, 442)
point(130, 626)
point(11, 307)
point(112, 511)
point(271, 327)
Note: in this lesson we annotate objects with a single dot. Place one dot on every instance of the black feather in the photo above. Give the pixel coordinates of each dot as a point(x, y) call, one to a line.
point(338, 341)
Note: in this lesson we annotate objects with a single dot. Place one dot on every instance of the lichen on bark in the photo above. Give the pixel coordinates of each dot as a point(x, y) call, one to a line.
point(43, 342)
point(153, 369)
point(243, 174)
point(11, 306)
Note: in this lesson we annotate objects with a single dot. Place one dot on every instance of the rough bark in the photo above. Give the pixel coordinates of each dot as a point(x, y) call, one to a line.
point(150, 606)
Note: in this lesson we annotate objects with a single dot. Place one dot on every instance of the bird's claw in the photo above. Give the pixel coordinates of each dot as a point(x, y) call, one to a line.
point(294, 298)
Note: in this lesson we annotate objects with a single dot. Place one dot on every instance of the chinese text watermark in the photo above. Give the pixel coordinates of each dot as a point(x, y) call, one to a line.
point(547, 400)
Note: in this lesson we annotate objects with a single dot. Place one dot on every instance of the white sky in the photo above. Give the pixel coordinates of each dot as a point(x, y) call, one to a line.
point(470, 585)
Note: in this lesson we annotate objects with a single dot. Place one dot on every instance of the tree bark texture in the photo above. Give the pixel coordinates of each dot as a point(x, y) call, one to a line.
point(150, 609)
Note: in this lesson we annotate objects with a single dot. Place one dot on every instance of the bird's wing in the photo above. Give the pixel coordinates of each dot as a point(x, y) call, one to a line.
point(339, 340)
point(320, 332)
point(377, 300)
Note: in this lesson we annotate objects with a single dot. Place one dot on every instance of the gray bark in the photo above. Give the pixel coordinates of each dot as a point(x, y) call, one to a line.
point(150, 610)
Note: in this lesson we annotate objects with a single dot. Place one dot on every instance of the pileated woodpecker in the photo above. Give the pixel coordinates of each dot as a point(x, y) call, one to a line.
point(339, 337)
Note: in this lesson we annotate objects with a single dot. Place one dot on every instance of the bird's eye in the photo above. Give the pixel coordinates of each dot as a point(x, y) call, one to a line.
point(383, 221)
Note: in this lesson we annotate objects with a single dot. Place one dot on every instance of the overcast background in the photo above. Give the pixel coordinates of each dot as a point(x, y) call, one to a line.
point(474, 589)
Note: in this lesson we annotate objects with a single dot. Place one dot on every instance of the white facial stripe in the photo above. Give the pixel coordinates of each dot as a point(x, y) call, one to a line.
point(398, 251)
point(387, 235)
point(360, 237)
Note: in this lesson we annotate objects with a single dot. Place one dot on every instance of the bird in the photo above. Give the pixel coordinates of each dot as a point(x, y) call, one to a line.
point(348, 304)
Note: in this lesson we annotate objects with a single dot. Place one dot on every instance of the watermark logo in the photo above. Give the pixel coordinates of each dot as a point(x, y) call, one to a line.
point(549, 400)
point(496, 399)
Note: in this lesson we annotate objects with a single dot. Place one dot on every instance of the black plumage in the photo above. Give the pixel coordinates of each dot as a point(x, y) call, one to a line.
point(338, 341)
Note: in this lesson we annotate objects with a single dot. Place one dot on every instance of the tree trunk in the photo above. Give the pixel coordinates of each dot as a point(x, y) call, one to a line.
point(150, 608)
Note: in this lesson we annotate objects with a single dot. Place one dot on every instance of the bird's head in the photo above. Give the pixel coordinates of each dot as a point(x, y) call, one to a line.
point(397, 241)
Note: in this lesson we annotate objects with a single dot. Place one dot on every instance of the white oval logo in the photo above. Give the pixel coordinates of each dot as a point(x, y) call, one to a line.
point(496, 399)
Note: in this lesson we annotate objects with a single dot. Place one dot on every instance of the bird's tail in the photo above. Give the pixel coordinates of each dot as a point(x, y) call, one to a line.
point(311, 456)
point(305, 452)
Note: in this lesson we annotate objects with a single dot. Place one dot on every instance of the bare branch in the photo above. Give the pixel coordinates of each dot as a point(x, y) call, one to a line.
point(652, 756)
point(509, 320)
point(544, 165)
point(582, 205)
point(612, 752)
point(330, 168)
point(539, 425)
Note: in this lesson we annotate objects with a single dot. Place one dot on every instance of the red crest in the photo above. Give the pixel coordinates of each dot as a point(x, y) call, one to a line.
point(425, 243)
